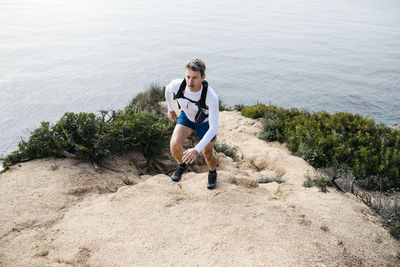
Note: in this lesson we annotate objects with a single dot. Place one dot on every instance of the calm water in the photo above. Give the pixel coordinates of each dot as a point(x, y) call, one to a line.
point(87, 55)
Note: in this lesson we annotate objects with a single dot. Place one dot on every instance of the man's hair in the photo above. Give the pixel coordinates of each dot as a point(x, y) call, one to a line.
point(196, 65)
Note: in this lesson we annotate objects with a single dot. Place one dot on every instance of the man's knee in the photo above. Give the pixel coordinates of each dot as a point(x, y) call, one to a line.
point(174, 145)
point(179, 135)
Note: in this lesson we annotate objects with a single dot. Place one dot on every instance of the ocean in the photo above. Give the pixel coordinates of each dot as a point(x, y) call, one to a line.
point(89, 55)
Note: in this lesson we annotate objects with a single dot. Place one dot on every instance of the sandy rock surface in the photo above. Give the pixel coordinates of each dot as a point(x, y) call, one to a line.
point(61, 212)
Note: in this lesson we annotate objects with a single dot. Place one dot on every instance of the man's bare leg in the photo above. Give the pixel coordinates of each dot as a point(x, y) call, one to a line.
point(179, 135)
point(208, 153)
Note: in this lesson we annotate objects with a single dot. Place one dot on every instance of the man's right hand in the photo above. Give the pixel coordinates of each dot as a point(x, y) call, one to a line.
point(172, 116)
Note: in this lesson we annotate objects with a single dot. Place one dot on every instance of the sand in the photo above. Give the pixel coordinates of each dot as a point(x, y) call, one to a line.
point(62, 212)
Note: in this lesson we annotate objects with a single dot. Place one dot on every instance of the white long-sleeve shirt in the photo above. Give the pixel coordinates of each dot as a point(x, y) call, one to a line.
point(191, 109)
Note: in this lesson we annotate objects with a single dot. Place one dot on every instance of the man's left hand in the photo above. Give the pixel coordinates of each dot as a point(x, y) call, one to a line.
point(190, 155)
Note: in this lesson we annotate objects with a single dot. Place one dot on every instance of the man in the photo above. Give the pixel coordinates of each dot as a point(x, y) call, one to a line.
point(199, 112)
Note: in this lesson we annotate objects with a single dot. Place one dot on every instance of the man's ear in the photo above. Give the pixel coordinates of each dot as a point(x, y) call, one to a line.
point(204, 77)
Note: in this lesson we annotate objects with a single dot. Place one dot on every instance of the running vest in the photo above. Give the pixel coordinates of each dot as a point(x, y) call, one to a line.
point(201, 104)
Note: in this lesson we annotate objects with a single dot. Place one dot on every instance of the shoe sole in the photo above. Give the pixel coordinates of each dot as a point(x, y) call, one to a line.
point(211, 187)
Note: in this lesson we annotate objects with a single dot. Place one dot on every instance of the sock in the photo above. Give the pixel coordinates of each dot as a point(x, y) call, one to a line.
point(214, 171)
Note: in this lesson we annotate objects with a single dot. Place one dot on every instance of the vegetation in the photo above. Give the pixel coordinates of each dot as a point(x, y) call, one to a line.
point(222, 106)
point(319, 180)
point(308, 183)
point(371, 151)
point(389, 208)
point(229, 151)
point(266, 180)
point(149, 100)
point(88, 136)
point(353, 153)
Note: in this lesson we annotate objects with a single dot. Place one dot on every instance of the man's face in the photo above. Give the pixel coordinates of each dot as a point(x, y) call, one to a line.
point(194, 79)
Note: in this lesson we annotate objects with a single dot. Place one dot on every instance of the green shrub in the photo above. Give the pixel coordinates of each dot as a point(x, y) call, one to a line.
point(322, 183)
point(319, 180)
point(79, 134)
point(308, 183)
point(90, 137)
point(269, 126)
point(229, 151)
point(147, 131)
point(370, 151)
point(307, 153)
point(265, 180)
point(238, 107)
point(149, 100)
point(386, 204)
point(39, 145)
point(223, 106)
point(254, 112)
point(54, 167)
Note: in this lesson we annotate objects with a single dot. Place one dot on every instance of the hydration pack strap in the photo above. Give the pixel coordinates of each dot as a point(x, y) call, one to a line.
point(201, 102)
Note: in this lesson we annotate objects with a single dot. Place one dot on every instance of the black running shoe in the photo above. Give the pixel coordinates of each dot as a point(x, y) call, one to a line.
point(179, 172)
point(212, 180)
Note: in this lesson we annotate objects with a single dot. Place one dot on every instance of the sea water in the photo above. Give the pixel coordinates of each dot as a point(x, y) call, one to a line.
point(88, 55)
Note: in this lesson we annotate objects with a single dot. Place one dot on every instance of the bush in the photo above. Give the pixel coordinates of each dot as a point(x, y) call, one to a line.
point(269, 126)
point(149, 100)
point(370, 151)
point(90, 137)
point(387, 205)
point(229, 151)
point(319, 180)
point(265, 180)
point(223, 106)
point(322, 183)
point(238, 107)
point(147, 131)
point(39, 145)
point(254, 112)
point(79, 134)
point(390, 212)
point(308, 183)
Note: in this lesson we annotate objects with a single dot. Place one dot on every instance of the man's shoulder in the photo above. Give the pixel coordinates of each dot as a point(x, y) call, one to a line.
point(211, 92)
point(211, 95)
point(175, 83)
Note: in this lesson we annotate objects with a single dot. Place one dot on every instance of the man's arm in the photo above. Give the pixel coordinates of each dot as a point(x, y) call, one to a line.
point(213, 115)
point(169, 97)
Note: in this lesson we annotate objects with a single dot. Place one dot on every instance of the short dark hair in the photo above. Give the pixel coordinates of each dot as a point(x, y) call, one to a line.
point(196, 65)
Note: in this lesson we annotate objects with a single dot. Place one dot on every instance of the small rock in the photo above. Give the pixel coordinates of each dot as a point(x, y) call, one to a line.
point(324, 228)
point(43, 253)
